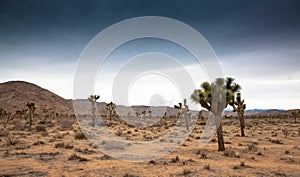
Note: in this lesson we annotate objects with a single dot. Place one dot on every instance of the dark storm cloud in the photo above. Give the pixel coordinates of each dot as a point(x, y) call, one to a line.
point(66, 26)
point(254, 39)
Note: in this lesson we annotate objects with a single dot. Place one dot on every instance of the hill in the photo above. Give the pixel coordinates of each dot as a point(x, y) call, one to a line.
point(15, 94)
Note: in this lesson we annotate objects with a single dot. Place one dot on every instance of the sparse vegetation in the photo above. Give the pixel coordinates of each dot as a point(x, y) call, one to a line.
point(40, 128)
point(80, 136)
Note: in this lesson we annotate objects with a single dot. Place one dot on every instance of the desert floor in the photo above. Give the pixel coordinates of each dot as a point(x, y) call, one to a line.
point(49, 148)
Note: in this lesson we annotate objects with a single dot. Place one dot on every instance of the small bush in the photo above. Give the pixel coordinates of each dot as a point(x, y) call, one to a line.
point(203, 154)
point(4, 133)
point(206, 167)
point(186, 172)
point(40, 128)
point(229, 152)
point(175, 160)
point(286, 132)
point(252, 147)
point(276, 141)
point(78, 158)
point(80, 136)
point(11, 140)
point(42, 122)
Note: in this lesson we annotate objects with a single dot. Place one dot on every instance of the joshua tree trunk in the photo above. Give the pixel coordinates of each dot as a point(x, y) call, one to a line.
point(218, 121)
point(93, 116)
point(242, 123)
point(30, 117)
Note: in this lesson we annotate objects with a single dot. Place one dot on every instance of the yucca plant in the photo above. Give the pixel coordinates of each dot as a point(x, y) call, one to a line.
point(93, 99)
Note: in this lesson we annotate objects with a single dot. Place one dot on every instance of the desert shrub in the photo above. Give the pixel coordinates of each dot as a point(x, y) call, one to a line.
point(186, 172)
point(78, 158)
point(66, 124)
point(38, 143)
point(259, 153)
point(286, 132)
point(206, 167)
point(59, 145)
point(202, 154)
point(175, 160)
point(129, 175)
point(20, 127)
point(64, 145)
point(276, 141)
point(4, 133)
point(252, 147)
point(80, 136)
point(11, 140)
point(42, 122)
point(230, 152)
point(40, 128)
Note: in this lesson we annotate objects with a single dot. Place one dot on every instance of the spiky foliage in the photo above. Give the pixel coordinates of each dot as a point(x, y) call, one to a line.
point(111, 107)
point(183, 111)
point(21, 113)
point(215, 97)
point(239, 106)
point(31, 109)
point(2, 113)
point(93, 99)
point(295, 115)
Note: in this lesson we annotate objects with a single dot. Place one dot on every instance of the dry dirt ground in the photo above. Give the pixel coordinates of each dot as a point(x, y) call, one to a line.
point(56, 148)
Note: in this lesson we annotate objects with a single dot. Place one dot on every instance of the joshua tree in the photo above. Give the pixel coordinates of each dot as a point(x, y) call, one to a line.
point(239, 106)
point(150, 113)
point(183, 111)
point(21, 113)
point(93, 99)
point(295, 115)
point(111, 107)
point(31, 109)
point(215, 97)
point(137, 114)
point(2, 113)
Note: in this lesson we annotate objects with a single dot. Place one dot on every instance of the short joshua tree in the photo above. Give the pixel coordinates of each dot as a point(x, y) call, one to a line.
point(93, 99)
point(111, 107)
point(31, 109)
point(183, 111)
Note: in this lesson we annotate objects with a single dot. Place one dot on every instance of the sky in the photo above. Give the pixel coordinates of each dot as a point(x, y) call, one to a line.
point(257, 42)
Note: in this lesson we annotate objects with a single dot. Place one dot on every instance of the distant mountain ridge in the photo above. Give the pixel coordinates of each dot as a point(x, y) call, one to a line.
point(15, 94)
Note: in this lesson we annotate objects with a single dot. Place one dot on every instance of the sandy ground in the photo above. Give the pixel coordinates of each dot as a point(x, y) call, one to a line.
point(265, 151)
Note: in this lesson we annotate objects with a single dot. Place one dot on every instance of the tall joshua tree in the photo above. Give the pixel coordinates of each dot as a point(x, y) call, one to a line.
point(93, 99)
point(239, 106)
point(111, 107)
point(31, 109)
point(295, 115)
point(215, 97)
point(183, 111)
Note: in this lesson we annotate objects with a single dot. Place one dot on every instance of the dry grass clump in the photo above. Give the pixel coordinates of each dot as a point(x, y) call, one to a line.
point(11, 140)
point(230, 152)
